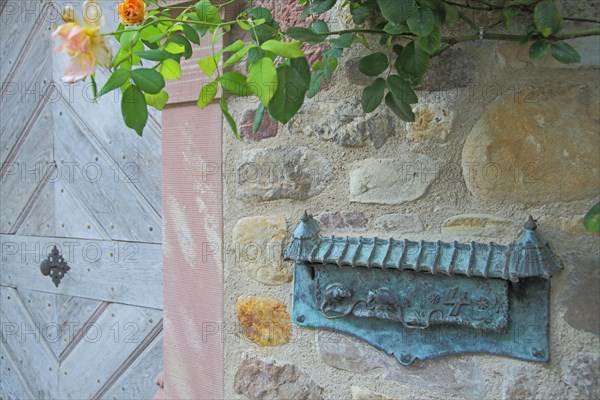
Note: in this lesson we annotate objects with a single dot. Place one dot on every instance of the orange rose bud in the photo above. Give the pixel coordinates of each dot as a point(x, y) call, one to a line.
point(131, 12)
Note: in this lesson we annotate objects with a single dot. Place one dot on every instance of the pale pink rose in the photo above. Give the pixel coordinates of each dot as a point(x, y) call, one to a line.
point(83, 43)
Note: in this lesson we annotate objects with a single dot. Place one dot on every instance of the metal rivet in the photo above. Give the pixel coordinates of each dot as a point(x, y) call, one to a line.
point(300, 318)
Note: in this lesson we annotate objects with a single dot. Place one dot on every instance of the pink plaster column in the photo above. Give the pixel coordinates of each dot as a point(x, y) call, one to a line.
point(192, 240)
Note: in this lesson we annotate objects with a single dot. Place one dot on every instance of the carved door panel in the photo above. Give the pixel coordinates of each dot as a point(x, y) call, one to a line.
point(72, 175)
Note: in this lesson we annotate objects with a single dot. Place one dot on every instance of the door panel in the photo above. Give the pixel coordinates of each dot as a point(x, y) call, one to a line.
point(72, 175)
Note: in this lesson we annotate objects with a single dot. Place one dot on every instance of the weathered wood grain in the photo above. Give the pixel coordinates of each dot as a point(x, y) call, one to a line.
point(25, 173)
point(12, 384)
point(124, 272)
point(30, 352)
point(59, 317)
point(39, 220)
point(73, 217)
point(138, 158)
point(25, 94)
point(116, 203)
point(108, 343)
point(133, 384)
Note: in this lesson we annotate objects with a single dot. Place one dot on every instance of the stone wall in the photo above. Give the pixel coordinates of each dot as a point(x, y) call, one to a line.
point(497, 138)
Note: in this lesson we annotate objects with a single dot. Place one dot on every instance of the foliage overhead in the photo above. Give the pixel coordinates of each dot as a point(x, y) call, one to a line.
point(272, 65)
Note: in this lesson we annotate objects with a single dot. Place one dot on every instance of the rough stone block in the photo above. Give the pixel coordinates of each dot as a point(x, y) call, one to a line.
point(479, 225)
point(346, 220)
point(258, 244)
point(282, 173)
point(264, 321)
point(536, 152)
point(457, 376)
point(344, 123)
point(519, 383)
point(268, 128)
point(433, 122)
point(261, 380)
point(582, 374)
point(392, 181)
point(580, 298)
point(453, 68)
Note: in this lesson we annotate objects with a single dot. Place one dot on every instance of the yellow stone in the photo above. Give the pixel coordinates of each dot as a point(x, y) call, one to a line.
point(264, 321)
point(536, 149)
point(480, 225)
point(258, 243)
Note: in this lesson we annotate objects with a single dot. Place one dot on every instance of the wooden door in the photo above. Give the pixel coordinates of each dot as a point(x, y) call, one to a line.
point(74, 176)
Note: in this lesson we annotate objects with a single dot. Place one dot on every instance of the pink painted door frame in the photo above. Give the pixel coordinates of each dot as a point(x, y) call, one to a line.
point(192, 239)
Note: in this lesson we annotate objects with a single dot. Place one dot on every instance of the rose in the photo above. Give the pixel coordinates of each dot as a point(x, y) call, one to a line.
point(131, 12)
point(83, 43)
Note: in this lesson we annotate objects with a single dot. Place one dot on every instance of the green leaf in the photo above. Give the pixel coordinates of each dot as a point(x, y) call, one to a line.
point(234, 47)
point(438, 8)
point(539, 49)
point(527, 38)
point(401, 109)
point(148, 80)
point(170, 69)
point(432, 42)
point(134, 109)
point(283, 49)
point(315, 83)
point(422, 22)
point(402, 90)
point(508, 13)
point(565, 53)
point(591, 221)
point(360, 14)
point(301, 65)
point(261, 13)
point(175, 48)
point(237, 56)
point(262, 78)
point(395, 29)
point(320, 6)
point(258, 118)
point(373, 64)
point(372, 95)
point(547, 18)
point(128, 39)
point(182, 41)
point(343, 41)
point(208, 65)
point(120, 57)
point(154, 55)
point(207, 94)
point(413, 62)
point(149, 31)
point(116, 80)
point(289, 96)
point(157, 101)
point(305, 35)
point(319, 26)
point(396, 10)
point(207, 12)
point(191, 34)
point(228, 117)
point(236, 83)
point(261, 34)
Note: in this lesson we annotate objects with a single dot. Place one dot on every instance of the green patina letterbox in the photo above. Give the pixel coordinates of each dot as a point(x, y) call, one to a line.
point(420, 300)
